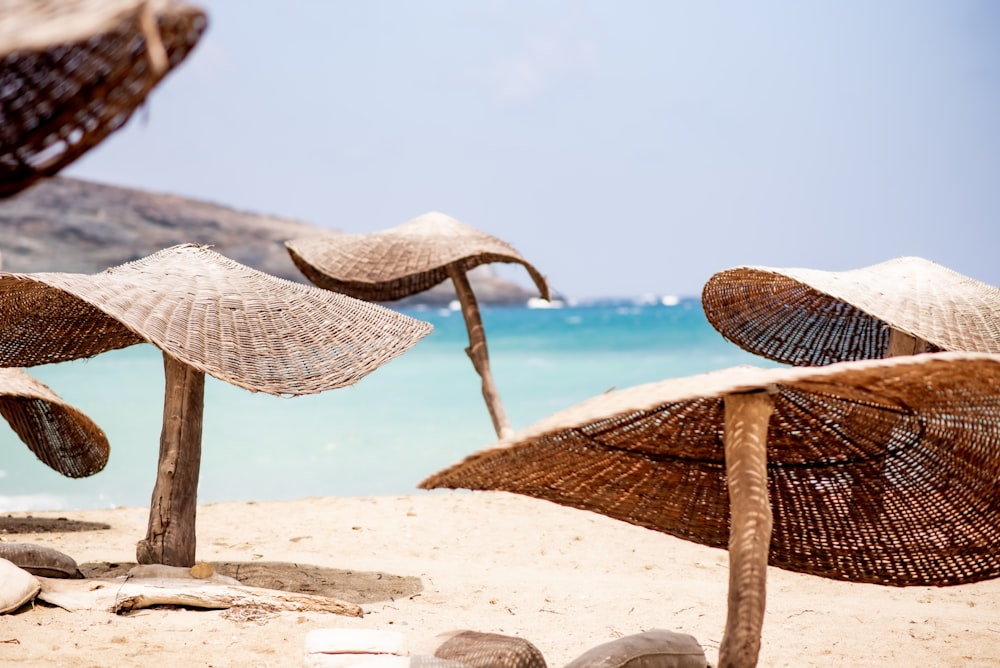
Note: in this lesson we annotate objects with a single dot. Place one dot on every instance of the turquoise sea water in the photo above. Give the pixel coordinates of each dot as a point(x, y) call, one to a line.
point(419, 413)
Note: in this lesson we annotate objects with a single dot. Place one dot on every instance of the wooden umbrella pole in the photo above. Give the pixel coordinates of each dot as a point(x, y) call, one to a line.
point(157, 53)
point(477, 350)
point(746, 424)
point(901, 343)
point(170, 539)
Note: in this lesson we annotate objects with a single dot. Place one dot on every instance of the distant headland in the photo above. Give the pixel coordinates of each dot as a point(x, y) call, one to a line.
point(70, 225)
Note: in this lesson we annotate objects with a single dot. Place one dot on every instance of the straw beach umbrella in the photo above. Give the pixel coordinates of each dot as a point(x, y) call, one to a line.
point(878, 471)
point(207, 314)
point(61, 436)
point(409, 259)
point(811, 317)
point(74, 71)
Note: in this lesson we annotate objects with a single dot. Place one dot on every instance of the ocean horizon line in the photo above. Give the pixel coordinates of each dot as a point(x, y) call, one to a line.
point(560, 300)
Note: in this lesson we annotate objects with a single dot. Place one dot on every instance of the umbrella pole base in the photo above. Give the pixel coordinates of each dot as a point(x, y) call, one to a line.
point(901, 343)
point(170, 538)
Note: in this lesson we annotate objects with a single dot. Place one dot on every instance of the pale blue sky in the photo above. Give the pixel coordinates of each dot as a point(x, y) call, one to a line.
point(623, 147)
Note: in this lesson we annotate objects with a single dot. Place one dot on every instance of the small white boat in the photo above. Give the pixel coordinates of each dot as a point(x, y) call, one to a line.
point(538, 302)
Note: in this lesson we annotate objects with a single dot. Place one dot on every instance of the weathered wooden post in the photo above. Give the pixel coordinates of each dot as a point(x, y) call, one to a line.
point(901, 343)
point(170, 538)
point(411, 258)
point(477, 350)
point(745, 433)
point(205, 313)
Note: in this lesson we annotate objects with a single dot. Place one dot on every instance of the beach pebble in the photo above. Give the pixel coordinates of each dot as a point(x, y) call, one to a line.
point(17, 586)
point(475, 649)
point(40, 560)
point(657, 648)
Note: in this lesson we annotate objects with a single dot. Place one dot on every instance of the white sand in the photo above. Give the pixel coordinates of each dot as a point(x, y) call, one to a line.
point(564, 579)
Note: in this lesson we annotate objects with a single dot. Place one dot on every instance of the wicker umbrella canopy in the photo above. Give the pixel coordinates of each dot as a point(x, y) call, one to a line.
point(60, 435)
point(74, 71)
point(409, 259)
point(882, 471)
point(812, 317)
point(402, 261)
point(879, 471)
point(215, 315)
point(209, 315)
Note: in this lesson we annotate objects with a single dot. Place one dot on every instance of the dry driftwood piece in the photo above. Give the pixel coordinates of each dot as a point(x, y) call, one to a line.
point(17, 586)
point(123, 595)
point(371, 648)
point(40, 560)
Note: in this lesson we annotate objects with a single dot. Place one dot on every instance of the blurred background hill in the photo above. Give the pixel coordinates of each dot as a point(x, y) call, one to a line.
point(71, 225)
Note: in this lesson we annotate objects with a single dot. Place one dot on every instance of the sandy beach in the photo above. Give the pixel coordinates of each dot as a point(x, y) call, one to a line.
point(428, 563)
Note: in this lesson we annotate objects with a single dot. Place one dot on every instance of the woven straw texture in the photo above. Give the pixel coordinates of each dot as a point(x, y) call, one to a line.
point(467, 649)
point(232, 322)
point(810, 317)
point(60, 435)
point(74, 71)
point(402, 261)
point(880, 471)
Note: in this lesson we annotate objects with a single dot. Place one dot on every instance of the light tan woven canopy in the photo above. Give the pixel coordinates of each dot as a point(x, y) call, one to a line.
point(74, 71)
point(401, 261)
point(813, 317)
point(60, 435)
point(880, 471)
point(213, 314)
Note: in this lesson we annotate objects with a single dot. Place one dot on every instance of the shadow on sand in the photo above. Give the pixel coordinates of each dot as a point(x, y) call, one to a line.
point(28, 524)
point(360, 587)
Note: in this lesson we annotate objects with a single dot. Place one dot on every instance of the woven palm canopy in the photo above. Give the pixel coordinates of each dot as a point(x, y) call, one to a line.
point(409, 259)
point(813, 317)
point(61, 436)
point(880, 471)
point(402, 261)
point(74, 71)
point(215, 315)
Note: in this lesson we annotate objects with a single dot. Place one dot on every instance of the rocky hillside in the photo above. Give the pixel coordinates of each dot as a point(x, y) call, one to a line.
point(70, 225)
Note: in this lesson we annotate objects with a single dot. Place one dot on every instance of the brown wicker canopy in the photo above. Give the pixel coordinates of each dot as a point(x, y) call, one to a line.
point(409, 259)
point(812, 317)
point(882, 471)
point(402, 261)
point(60, 435)
point(74, 71)
point(215, 315)
point(209, 315)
